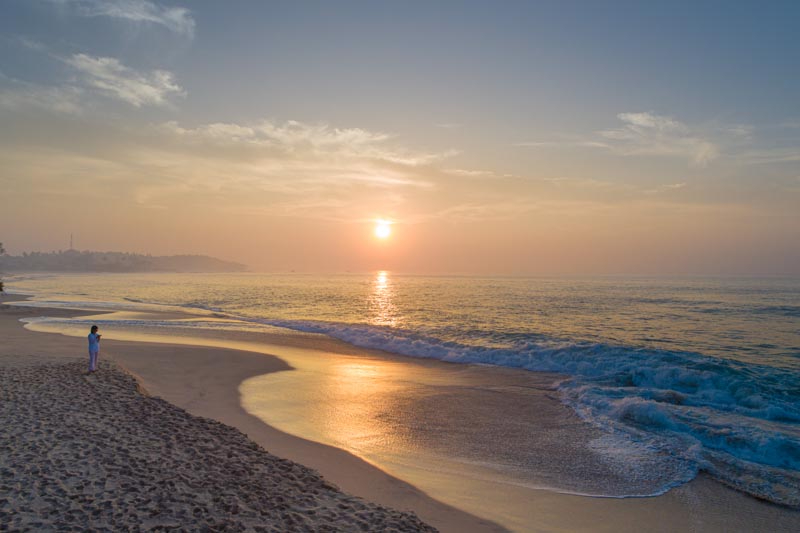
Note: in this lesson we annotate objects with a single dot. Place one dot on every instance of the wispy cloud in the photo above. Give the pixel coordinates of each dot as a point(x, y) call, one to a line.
point(536, 144)
point(469, 173)
point(487, 209)
point(477, 173)
point(30, 44)
point(87, 76)
point(647, 133)
point(650, 134)
point(276, 168)
point(114, 79)
point(298, 138)
point(666, 188)
point(20, 95)
point(769, 155)
point(176, 19)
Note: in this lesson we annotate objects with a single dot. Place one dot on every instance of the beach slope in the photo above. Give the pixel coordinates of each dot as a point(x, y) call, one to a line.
point(91, 451)
point(99, 451)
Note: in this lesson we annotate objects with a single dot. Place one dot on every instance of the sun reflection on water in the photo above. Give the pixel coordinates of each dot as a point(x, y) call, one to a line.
point(362, 402)
point(381, 301)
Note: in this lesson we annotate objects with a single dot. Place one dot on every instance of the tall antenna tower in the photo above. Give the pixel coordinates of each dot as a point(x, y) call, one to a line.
point(70, 241)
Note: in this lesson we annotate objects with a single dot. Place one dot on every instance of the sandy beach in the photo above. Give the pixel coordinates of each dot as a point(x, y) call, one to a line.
point(400, 266)
point(91, 452)
point(106, 451)
point(205, 382)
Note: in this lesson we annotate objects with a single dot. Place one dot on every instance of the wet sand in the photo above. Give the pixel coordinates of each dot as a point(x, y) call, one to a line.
point(204, 380)
point(90, 452)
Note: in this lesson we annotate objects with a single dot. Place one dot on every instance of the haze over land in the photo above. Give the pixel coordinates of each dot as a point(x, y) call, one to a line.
point(560, 138)
point(87, 261)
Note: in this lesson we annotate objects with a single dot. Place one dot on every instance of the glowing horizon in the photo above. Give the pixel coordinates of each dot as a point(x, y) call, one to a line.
point(535, 140)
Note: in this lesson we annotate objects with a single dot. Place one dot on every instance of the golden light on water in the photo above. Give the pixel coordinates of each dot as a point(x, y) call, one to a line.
point(366, 391)
point(381, 304)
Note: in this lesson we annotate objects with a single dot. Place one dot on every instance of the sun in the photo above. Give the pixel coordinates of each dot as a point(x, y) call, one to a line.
point(383, 228)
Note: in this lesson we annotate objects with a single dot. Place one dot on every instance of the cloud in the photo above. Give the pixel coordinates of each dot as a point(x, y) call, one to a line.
point(650, 134)
point(265, 168)
point(471, 173)
point(30, 44)
point(114, 79)
point(106, 75)
point(269, 168)
point(769, 155)
point(482, 210)
point(299, 138)
point(742, 131)
point(536, 144)
point(666, 188)
point(24, 95)
point(639, 121)
point(176, 19)
point(320, 136)
point(647, 133)
point(477, 173)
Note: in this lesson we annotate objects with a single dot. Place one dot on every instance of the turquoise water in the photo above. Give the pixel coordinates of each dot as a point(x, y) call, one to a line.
point(701, 373)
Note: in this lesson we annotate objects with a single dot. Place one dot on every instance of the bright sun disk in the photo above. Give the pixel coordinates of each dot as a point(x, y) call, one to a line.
point(383, 229)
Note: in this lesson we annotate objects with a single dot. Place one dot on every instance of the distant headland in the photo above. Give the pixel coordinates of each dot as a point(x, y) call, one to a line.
point(89, 261)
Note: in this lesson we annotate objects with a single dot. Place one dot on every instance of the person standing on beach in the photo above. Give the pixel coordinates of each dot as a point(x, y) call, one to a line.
point(94, 348)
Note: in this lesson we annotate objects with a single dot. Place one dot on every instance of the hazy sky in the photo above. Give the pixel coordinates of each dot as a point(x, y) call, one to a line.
point(498, 137)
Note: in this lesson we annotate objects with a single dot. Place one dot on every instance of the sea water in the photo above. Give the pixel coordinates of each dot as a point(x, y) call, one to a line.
point(675, 376)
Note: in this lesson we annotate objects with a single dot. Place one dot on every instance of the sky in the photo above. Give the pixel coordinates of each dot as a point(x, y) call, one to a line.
point(497, 138)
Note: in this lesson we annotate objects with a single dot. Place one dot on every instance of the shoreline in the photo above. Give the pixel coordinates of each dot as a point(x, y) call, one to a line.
point(92, 452)
point(210, 389)
point(192, 377)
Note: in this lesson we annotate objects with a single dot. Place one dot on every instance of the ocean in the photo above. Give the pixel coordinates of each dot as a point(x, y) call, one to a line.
point(667, 377)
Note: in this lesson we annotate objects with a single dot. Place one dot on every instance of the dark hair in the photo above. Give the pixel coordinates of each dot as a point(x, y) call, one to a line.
point(94, 328)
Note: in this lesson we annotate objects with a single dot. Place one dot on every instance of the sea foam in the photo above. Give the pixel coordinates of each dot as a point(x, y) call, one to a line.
point(737, 421)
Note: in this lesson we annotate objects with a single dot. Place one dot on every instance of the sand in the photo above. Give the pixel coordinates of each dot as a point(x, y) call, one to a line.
point(92, 452)
point(70, 442)
point(204, 381)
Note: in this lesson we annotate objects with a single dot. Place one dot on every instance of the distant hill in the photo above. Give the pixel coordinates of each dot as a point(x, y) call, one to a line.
point(86, 261)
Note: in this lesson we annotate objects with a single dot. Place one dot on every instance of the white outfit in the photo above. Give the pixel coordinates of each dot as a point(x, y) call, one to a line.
point(94, 349)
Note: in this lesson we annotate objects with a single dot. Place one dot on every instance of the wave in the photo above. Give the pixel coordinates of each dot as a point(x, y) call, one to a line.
point(739, 422)
point(124, 304)
point(789, 311)
point(784, 310)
